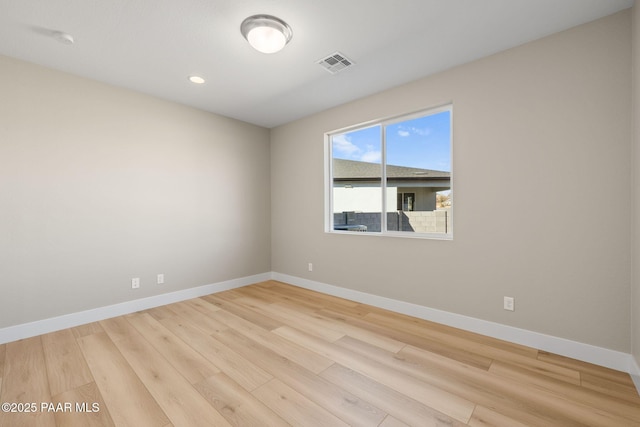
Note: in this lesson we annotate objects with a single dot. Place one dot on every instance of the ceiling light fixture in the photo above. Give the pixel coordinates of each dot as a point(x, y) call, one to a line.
point(196, 79)
point(266, 33)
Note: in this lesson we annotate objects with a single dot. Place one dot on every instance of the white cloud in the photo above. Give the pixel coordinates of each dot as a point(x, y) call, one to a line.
point(404, 131)
point(371, 157)
point(421, 132)
point(342, 144)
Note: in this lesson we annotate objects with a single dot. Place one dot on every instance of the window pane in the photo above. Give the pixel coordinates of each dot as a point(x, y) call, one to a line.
point(357, 180)
point(418, 167)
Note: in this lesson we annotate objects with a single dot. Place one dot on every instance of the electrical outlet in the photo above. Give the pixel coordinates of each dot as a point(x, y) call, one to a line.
point(135, 283)
point(509, 303)
point(310, 266)
point(160, 279)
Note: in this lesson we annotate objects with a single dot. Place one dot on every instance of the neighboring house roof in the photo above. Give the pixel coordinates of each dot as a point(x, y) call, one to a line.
point(351, 170)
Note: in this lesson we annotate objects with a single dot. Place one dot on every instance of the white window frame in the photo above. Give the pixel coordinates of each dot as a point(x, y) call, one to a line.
point(383, 123)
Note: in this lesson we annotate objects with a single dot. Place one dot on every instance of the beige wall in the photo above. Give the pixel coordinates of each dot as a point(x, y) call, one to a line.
point(543, 131)
point(99, 185)
point(635, 300)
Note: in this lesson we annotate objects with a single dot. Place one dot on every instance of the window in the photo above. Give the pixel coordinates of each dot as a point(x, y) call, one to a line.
point(405, 201)
point(392, 177)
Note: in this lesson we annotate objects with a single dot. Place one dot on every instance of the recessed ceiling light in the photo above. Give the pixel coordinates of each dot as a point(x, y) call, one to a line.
point(266, 33)
point(196, 79)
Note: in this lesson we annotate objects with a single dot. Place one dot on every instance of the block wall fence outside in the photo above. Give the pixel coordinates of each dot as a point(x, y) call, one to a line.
point(414, 221)
point(425, 221)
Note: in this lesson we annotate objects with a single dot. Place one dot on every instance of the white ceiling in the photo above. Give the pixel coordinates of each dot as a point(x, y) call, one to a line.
point(152, 46)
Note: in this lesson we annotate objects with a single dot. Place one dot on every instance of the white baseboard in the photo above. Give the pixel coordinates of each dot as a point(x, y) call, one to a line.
point(26, 330)
point(564, 347)
point(576, 350)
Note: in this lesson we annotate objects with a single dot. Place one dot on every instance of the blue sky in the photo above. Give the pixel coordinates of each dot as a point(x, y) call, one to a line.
point(421, 143)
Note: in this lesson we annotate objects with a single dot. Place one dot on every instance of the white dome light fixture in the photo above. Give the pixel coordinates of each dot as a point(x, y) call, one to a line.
point(196, 79)
point(266, 33)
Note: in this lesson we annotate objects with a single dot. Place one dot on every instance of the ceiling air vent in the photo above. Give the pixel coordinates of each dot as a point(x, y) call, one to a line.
point(335, 62)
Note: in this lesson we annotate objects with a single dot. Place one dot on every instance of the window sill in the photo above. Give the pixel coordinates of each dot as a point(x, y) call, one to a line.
point(403, 235)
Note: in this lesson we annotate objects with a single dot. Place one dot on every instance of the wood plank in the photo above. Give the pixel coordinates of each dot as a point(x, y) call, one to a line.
point(231, 363)
point(391, 401)
point(25, 382)
point(118, 328)
point(359, 311)
point(296, 320)
point(252, 316)
point(266, 284)
point(533, 364)
point(88, 408)
point(389, 421)
point(432, 345)
point(271, 296)
point(159, 313)
point(191, 364)
point(239, 407)
point(588, 368)
point(66, 367)
point(544, 370)
point(182, 404)
point(615, 389)
point(475, 343)
point(202, 306)
point(300, 355)
point(202, 321)
point(128, 400)
point(485, 417)
point(230, 294)
point(293, 295)
point(438, 399)
point(418, 326)
point(307, 294)
point(344, 405)
point(363, 334)
point(450, 376)
point(86, 329)
point(508, 396)
point(296, 409)
point(259, 294)
point(592, 398)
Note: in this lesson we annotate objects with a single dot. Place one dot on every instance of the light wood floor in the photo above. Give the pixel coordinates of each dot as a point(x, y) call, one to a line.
point(273, 354)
